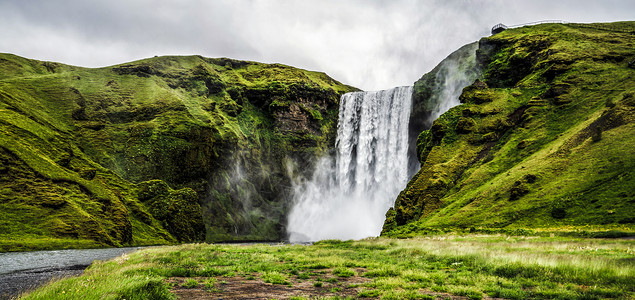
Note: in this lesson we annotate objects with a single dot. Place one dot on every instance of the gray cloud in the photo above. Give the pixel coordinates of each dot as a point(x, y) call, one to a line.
point(368, 44)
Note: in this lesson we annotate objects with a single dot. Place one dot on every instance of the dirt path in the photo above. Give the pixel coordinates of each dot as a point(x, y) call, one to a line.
point(319, 285)
point(241, 288)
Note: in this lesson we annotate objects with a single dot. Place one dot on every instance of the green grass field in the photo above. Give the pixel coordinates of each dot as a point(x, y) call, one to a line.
point(441, 266)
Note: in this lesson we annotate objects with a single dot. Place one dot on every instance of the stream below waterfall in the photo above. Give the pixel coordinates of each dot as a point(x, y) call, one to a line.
point(23, 271)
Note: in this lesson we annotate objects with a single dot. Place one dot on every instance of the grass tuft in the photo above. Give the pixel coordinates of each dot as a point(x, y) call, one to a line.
point(275, 278)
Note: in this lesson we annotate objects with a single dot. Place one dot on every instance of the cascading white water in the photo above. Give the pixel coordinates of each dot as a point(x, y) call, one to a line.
point(453, 74)
point(453, 83)
point(348, 198)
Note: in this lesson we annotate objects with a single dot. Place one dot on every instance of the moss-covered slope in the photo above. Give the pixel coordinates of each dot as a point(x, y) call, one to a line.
point(544, 138)
point(155, 151)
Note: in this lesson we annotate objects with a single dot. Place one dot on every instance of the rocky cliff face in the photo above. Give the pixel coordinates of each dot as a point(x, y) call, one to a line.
point(540, 140)
point(155, 151)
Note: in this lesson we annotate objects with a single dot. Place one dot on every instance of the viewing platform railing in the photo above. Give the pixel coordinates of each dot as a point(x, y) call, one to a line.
point(498, 28)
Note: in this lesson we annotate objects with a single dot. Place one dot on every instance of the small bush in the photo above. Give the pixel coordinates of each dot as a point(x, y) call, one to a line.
point(612, 234)
point(382, 273)
point(368, 293)
point(596, 134)
point(316, 266)
point(210, 284)
point(439, 288)
point(558, 212)
point(469, 292)
point(410, 295)
point(343, 272)
point(507, 293)
point(336, 243)
point(517, 191)
point(417, 278)
point(178, 272)
point(154, 289)
point(210, 272)
point(274, 278)
point(332, 280)
point(190, 283)
point(519, 270)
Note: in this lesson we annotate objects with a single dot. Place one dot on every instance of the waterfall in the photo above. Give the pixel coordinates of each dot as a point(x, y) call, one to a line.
point(439, 91)
point(348, 196)
point(452, 75)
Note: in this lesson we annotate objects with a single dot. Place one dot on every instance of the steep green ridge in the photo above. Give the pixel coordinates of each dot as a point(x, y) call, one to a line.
point(155, 151)
point(543, 140)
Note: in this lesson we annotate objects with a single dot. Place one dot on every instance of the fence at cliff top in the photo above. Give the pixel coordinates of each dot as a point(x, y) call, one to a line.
point(539, 22)
point(602, 27)
point(500, 26)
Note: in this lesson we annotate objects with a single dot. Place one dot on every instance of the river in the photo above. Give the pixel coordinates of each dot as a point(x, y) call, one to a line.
point(23, 271)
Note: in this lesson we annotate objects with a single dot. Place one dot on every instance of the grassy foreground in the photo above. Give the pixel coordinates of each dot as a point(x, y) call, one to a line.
point(445, 266)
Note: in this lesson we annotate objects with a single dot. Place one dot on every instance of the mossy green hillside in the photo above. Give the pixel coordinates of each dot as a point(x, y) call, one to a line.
point(78, 144)
point(543, 139)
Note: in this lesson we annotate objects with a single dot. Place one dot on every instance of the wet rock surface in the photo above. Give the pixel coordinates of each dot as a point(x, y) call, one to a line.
point(16, 283)
point(23, 271)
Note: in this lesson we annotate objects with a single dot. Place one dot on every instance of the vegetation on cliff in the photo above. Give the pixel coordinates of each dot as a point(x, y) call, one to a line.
point(159, 150)
point(543, 139)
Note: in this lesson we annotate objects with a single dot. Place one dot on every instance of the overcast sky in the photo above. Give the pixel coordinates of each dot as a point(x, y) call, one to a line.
point(368, 44)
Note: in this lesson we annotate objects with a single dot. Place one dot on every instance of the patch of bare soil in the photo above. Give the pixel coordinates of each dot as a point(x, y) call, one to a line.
point(239, 287)
point(252, 287)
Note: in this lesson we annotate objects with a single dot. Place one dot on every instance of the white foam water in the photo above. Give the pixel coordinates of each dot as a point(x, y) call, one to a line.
point(347, 197)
